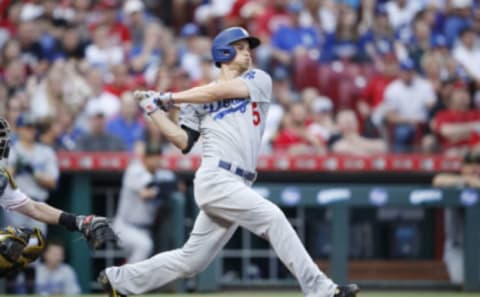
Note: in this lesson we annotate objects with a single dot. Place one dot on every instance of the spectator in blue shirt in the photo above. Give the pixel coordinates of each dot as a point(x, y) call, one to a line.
point(294, 39)
point(458, 18)
point(344, 43)
point(53, 276)
point(126, 124)
point(379, 38)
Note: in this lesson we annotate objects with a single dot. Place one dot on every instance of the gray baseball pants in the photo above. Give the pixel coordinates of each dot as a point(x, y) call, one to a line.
point(226, 202)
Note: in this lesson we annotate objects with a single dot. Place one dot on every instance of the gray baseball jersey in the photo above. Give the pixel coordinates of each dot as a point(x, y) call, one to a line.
point(232, 129)
point(42, 159)
point(134, 215)
point(132, 209)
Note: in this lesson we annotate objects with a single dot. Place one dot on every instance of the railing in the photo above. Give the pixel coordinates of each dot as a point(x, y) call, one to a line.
point(274, 163)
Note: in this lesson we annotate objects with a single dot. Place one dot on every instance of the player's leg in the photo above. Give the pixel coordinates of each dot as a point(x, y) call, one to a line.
point(260, 216)
point(136, 241)
point(208, 237)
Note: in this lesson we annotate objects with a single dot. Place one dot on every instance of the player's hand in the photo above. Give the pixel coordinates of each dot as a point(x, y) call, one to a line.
point(151, 101)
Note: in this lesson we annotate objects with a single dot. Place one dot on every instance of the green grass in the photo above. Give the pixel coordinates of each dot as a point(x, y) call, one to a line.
point(293, 294)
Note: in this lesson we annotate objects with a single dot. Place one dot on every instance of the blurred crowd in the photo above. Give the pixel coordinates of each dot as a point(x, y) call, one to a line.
point(349, 76)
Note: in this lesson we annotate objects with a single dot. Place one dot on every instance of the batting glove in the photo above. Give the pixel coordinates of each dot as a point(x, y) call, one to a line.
point(150, 101)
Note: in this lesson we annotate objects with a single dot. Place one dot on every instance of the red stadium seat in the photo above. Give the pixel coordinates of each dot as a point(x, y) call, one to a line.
point(342, 81)
point(304, 72)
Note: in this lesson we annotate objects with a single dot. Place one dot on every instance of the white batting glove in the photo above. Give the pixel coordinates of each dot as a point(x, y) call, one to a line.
point(150, 101)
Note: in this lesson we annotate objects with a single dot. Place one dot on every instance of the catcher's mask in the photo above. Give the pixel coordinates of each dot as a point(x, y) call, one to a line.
point(4, 138)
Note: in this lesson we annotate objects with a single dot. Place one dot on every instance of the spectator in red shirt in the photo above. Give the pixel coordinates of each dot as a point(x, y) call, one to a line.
point(456, 125)
point(10, 16)
point(118, 33)
point(121, 82)
point(243, 13)
point(373, 92)
point(293, 138)
point(274, 15)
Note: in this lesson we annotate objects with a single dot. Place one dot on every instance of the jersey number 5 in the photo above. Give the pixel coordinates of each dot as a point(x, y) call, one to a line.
point(256, 114)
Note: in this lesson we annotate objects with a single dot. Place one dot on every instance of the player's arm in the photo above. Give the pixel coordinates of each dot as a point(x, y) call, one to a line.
point(449, 180)
point(454, 131)
point(96, 230)
point(254, 84)
point(174, 133)
point(235, 88)
point(40, 211)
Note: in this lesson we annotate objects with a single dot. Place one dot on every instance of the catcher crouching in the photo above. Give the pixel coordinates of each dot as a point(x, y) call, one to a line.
point(21, 246)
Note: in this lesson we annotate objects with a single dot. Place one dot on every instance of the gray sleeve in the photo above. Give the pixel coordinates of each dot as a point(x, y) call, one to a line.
point(71, 283)
point(189, 117)
point(136, 178)
point(49, 164)
point(12, 158)
point(259, 85)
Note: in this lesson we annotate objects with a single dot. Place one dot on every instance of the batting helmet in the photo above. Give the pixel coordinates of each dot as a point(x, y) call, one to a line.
point(4, 138)
point(222, 49)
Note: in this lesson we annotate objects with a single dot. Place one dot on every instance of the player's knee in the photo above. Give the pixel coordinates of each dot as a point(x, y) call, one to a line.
point(276, 220)
point(276, 215)
point(197, 262)
point(195, 267)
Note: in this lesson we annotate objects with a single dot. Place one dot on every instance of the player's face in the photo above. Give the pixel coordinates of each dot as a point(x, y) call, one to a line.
point(54, 255)
point(27, 133)
point(243, 58)
point(153, 162)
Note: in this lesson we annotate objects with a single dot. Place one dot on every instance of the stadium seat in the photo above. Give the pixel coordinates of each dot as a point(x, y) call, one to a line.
point(305, 72)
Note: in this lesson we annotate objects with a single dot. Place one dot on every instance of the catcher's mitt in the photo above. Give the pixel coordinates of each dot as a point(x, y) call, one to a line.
point(18, 248)
point(97, 231)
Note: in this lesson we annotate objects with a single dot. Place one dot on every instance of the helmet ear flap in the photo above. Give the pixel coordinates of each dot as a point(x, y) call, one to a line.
point(224, 54)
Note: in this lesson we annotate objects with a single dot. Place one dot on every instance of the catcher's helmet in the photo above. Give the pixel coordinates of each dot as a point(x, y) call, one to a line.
point(4, 138)
point(222, 49)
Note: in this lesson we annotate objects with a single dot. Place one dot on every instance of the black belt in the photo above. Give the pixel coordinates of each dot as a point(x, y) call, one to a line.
point(248, 175)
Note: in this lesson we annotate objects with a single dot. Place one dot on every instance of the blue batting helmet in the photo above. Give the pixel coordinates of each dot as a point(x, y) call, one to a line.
point(222, 49)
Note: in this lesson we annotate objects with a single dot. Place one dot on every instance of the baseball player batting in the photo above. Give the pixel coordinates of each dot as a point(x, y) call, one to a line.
point(16, 250)
point(229, 114)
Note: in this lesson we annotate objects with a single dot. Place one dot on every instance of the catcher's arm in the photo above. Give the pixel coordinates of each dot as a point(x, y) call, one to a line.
point(96, 235)
point(96, 230)
point(40, 211)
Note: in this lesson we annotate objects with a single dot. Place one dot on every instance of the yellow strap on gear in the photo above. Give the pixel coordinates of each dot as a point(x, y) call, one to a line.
point(9, 176)
point(34, 248)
